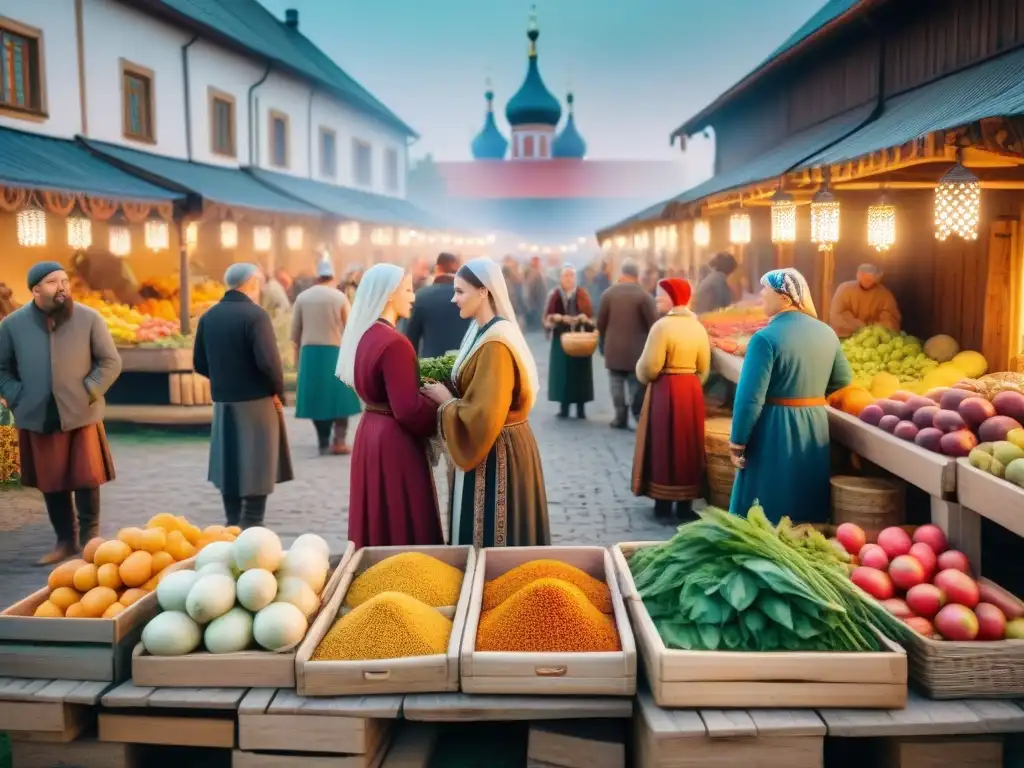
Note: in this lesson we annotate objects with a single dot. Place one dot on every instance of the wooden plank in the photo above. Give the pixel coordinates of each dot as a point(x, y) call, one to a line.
point(998, 716)
point(157, 415)
point(787, 722)
point(82, 753)
point(88, 693)
point(127, 695)
point(256, 701)
point(685, 723)
point(57, 690)
point(196, 698)
point(463, 707)
point(379, 706)
point(578, 743)
point(412, 747)
point(922, 717)
point(1000, 501)
point(727, 723)
point(51, 662)
point(22, 690)
point(167, 731)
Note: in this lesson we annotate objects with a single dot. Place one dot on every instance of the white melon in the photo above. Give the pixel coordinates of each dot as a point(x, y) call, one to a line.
point(306, 564)
point(215, 552)
point(171, 633)
point(173, 589)
point(216, 567)
point(256, 589)
point(312, 541)
point(279, 627)
point(210, 598)
point(230, 633)
point(297, 592)
point(257, 548)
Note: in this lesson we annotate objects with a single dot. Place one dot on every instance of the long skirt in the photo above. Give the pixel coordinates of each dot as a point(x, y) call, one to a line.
point(668, 462)
point(787, 465)
point(320, 395)
point(392, 499)
point(249, 448)
point(502, 503)
point(65, 461)
point(570, 379)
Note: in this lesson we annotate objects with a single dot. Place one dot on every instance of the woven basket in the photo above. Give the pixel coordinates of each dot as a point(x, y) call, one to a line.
point(873, 503)
point(10, 457)
point(579, 343)
point(721, 472)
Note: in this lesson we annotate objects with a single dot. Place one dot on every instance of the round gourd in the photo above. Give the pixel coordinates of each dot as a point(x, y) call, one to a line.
point(942, 348)
point(216, 552)
point(137, 569)
point(173, 589)
point(312, 541)
point(210, 598)
point(297, 592)
point(97, 600)
point(230, 633)
point(257, 548)
point(215, 567)
point(279, 627)
point(306, 564)
point(256, 589)
point(64, 574)
point(171, 633)
point(973, 364)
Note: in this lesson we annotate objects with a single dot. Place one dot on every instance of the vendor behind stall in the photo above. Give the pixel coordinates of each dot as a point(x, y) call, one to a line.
point(103, 272)
point(864, 301)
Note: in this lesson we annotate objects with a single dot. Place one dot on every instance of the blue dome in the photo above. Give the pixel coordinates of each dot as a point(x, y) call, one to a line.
point(533, 103)
point(489, 144)
point(569, 143)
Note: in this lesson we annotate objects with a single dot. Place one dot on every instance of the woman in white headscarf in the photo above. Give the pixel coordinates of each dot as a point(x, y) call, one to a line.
point(497, 490)
point(570, 379)
point(392, 500)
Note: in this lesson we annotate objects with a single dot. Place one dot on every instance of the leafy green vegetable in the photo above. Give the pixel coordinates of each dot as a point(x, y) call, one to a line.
point(437, 368)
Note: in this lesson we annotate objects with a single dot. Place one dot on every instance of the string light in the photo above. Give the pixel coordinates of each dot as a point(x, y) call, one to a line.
point(701, 233)
point(882, 225)
point(348, 233)
point(119, 237)
point(79, 229)
point(739, 228)
point(262, 238)
point(228, 235)
point(192, 235)
point(783, 217)
point(606, 244)
point(293, 237)
point(957, 203)
point(620, 242)
point(31, 226)
point(156, 233)
point(824, 219)
point(380, 236)
point(404, 237)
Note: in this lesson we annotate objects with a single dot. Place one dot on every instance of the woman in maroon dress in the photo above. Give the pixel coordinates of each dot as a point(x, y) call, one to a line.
point(392, 499)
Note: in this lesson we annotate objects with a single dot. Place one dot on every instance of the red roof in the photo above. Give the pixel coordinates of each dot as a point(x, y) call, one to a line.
point(562, 179)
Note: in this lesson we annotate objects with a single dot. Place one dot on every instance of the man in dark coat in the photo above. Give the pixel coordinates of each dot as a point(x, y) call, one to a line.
point(236, 350)
point(435, 327)
point(624, 319)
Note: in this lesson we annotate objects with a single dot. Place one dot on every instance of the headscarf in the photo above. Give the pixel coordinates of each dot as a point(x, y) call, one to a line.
point(489, 273)
point(375, 289)
point(678, 290)
point(791, 284)
point(324, 268)
point(238, 275)
point(567, 296)
point(39, 272)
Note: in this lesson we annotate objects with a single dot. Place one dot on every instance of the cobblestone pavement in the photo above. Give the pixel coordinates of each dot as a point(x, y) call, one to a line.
point(586, 466)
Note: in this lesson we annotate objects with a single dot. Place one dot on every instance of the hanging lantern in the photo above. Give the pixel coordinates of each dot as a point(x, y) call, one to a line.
point(882, 225)
point(783, 217)
point(228, 235)
point(119, 237)
point(157, 233)
point(824, 219)
point(348, 233)
point(606, 244)
point(79, 229)
point(293, 238)
point(701, 233)
point(262, 238)
point(957, 203)
point(620, 242)
point(404, 237)
point(31, 226)
point(673, 239)
point(739, 228)
point(192, 235)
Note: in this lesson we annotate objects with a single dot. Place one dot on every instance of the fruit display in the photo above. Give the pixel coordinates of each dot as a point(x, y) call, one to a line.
point(928, 586)
point(240, 593)
point(111, 575)
point(730, 329)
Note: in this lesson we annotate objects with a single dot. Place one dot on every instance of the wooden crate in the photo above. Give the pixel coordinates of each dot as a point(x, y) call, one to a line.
point(247, 669)
point(55, 711)
point(480, 708)
point(72, 649)
point(963, 752)
point(548, 674)
point(84, 753)
point(154, 360)
point(750, 679)
point(578, 743)
point(416, 674)
point(189, 389)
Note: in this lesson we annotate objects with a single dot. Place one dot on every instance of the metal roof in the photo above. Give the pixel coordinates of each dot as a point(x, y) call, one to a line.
point(229, 186)
point(29, 160)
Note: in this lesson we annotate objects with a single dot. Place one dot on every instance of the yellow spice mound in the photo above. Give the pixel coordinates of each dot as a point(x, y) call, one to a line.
point(388, 626)
point(412, 573)
point(547, 615)
point(498, 590)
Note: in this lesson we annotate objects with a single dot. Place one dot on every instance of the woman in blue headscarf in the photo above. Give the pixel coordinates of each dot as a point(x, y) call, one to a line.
point(780, 440)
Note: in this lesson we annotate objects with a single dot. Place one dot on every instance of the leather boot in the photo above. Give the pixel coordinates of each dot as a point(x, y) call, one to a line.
point(323, 436)
point(581, 411)
point(87, 503)
point(563, 411)
point(662, 509)
point(232, 509)
point(340, 445)
point(253, 510)
point(61, 512)
point(684, 511)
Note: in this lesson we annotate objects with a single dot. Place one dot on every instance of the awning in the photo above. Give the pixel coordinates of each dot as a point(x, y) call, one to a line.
point(992, 89)
point(651, 213)
point(29, 160)
point(228, 186)
point(348, 203)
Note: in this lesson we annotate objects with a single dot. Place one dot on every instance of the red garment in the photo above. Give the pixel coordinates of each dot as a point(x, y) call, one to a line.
point(65, 461)
point(669, 459)
point(678, 290)
point(392, 499)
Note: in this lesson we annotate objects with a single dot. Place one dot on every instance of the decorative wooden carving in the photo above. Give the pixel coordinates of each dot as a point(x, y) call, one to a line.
point(13, 199)
point(58, 202)
point(98, 208)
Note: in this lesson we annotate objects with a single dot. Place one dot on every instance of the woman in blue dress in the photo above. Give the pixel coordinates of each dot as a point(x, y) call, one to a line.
point(780, 439)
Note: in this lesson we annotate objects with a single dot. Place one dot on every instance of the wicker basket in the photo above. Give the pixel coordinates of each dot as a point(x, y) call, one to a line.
point(10, 456)
point(721, 472)
point(579, 343)
point(873, 503)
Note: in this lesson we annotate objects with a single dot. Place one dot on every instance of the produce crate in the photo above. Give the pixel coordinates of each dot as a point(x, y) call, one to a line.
point(755, 679)
point(246, 669)
point(997, 499)
point(548, 674)
point(72, 649)
point(414, 674)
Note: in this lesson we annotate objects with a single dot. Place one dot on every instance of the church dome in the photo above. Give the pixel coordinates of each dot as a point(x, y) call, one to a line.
point(489, 144)
point(569, 143)
point(533, 103)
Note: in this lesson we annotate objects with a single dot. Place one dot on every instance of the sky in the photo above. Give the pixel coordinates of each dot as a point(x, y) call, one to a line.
point(639, 68)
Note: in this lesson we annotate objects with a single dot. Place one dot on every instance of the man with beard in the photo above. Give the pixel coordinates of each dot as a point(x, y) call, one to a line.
point(57, 362)
point(864, 301)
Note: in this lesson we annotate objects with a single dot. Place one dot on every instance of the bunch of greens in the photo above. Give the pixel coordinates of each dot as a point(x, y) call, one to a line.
point(741, 584)
point(436, 368)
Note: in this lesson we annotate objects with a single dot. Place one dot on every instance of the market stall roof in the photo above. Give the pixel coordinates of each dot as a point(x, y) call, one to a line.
point(348, 203)
point(29, 160)
point(228, 186)
point(992, 89)
point(651, 213)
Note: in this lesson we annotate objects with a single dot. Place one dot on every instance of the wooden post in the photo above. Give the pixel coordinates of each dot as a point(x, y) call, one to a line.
point(185, 285)
point(828, 271)
point(784, 255)
point(1001, 325)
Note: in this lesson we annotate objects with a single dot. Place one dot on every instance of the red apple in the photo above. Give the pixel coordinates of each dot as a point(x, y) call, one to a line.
point(926, 556)
point(959, 587)
point(991, 622)
point(852, 537)
point(933, 536)
point(907, 571)
point(920, 625)
point(895, 541)
point(873, 581)
point(874, 556)
point(957, 622)
point(897, 608)
point(925, 600)
point(955, 559)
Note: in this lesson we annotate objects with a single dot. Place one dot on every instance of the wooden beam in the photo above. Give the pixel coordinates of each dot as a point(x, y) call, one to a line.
point(1002, 302)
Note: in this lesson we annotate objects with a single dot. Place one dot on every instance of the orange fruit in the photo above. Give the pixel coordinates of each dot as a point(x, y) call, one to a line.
point(130, 596)
point(234, 530)
point(75, 611)
point(64, 574)
point(48, 610)
point(131, 536)
point(164, 520)
point(109, 575)
point(112, 610)
point(137, 569)
point(85, 578)
point(161, 560)
point(178, 547)
point(115, 551)
point(64, 597)
point(96, 601)
point(89, 552)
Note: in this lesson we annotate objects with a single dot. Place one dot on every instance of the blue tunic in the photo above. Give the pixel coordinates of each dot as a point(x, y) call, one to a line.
point(787, 446)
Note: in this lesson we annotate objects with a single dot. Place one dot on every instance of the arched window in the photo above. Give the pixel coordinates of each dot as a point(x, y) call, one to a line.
point(528, 146)
point(544, 147)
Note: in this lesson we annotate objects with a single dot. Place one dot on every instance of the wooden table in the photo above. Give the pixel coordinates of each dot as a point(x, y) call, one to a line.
point(465, 707)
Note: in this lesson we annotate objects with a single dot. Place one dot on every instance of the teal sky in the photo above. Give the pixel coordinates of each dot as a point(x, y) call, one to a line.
point(638, 67)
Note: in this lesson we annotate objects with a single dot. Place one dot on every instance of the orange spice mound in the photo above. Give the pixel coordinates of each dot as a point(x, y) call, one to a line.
point(547, 615)
point(500, 589)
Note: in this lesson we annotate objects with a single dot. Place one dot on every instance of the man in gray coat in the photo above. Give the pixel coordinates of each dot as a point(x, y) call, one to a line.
point(57, 361)
point(435, 326)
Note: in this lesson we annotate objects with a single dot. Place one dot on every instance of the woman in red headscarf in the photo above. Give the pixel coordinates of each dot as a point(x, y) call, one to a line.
point(668, 463)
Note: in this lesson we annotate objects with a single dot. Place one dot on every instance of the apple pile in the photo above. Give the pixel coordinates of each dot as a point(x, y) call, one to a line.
point(928, 586)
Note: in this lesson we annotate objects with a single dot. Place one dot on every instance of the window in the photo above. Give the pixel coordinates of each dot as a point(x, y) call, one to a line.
point(528, 146)
point(222, 123)
point(391, 169)
point(21, 67)
point(362, 163)
point(137, 102)
point(543, 147)
point(328, 153)
point(278, 139)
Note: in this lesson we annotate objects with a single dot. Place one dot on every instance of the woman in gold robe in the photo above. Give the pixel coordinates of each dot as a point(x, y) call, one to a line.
point(497, 490)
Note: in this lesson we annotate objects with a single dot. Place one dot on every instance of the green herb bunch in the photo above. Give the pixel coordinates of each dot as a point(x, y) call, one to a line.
point(436, 368)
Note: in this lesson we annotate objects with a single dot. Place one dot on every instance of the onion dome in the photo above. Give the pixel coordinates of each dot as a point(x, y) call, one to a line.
point(533, 103)
point(489, 144)
point(569, 143)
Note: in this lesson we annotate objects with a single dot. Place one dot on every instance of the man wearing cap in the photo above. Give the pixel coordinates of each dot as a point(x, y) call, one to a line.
point(435, 325)
point(864, 301)
point(236, 350)
point(57, 361)
point(318, 320)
